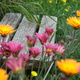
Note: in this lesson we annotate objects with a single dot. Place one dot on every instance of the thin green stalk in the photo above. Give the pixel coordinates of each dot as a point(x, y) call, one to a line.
point(0, 59)
point(24, 68)
point(52, 36)
point(48, 71)
point(32, 68)
point(55, 71)
point(11, 76)
point(4, 62)
point(39, 65)
point(42, 52)
point(71, 43)
point(47, 64)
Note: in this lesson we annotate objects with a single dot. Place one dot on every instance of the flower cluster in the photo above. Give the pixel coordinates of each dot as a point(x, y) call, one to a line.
point(8, 48)
point(52, 49)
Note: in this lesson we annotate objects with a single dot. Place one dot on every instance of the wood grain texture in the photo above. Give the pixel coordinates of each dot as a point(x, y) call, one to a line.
point(25, 28)
point(11, 19)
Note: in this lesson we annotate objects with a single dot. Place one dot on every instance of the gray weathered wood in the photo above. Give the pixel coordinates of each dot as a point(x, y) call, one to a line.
point(11, 19)
point(25, 28)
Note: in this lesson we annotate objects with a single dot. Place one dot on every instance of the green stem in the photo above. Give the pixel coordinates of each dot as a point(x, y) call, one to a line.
point(32, 68)
point(11, 76)
point(71, 43)
point(0, 59)
point(48, 71)
point(42, 51)
point(39, 66)
point(55, 71)
point(4, 62)
point(47, 64)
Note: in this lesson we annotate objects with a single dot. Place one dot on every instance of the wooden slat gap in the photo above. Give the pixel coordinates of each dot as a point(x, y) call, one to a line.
point(40, 16)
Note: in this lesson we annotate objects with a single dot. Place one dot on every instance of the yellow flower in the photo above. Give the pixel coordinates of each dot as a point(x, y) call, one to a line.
point(34, 73)
point(74, 22)
point(66, 10)
point(5, 30)
point(64, 1)
point(3, 75)
point(78, 13)
point(50, 1)
point(69, 66)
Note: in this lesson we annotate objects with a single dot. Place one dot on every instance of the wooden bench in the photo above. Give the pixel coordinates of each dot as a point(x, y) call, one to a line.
point(27, 28)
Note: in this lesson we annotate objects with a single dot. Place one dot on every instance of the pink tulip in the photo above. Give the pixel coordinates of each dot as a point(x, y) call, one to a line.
point(60, 49)
point(35, 51)
point(42, 38)
point(30, 40)
point(15, 48)
point(49, 48)
point(4, 49)
point(26, 57)
point(49, 31)
point(16, 65)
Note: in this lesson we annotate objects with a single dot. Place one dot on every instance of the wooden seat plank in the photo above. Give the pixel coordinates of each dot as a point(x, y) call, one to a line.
point(25, 28)
point(11, 19)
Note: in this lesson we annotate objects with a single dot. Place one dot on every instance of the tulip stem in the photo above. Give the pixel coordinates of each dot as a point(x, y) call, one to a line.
point(32, 68)
point(4, 62)
point(48, 71)
point(11, 76)
point(42, 51)
point(71, 42)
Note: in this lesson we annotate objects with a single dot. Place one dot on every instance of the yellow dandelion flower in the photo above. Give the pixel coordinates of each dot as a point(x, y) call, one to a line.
point(34, 73)
point(64, 1)
point(66, 10)
point(5, 30)
point(50, 1)
point(3, 75)
point(78, 13)
point(74, 22)
point(68, 66)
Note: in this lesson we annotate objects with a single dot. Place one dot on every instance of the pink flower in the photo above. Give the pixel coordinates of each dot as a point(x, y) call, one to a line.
point(26, 57)
point(49, 48)
point(4, 49)
point(30, 40)
point(15, 48)
point(62, 41)
point(42, 38)
point(16, 65)
point(60, 49)
point(49, 31)
point(35, 51)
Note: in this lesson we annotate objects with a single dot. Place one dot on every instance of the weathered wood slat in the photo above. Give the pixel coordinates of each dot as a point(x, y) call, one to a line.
point(12, 20)
point(46, 22)
point(25, 28)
